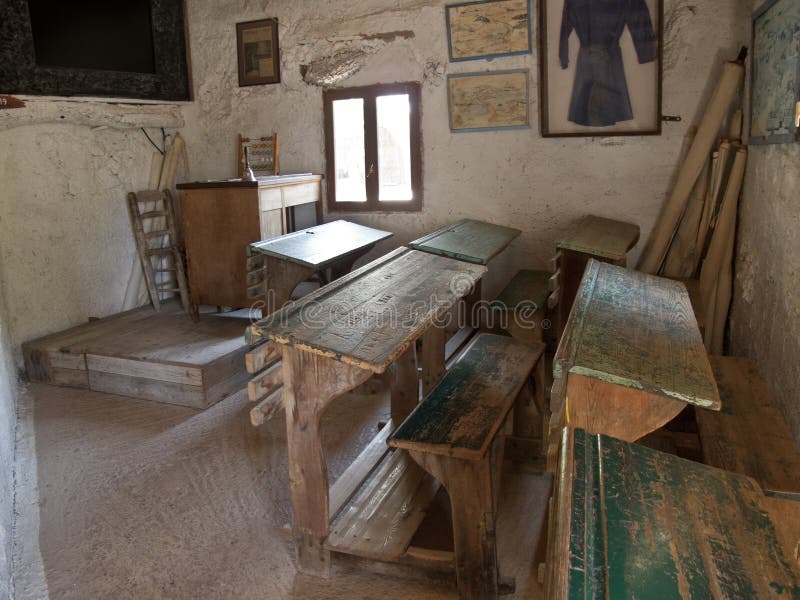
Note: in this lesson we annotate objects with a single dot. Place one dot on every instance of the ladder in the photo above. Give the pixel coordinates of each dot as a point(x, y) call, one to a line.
point(154, 230)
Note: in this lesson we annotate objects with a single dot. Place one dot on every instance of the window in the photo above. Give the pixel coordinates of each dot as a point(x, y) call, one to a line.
point(373, 148)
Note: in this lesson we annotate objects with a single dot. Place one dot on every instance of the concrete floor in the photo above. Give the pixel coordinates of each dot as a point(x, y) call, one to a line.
point(138, 499)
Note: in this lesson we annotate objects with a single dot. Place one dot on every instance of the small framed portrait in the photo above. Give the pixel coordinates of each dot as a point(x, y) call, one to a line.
point(258, 52)
point(600, 67)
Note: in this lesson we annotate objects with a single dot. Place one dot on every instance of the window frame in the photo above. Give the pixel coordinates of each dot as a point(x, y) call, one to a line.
point(369, 94)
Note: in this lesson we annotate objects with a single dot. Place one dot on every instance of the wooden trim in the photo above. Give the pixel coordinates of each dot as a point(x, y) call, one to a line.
point(369, 94)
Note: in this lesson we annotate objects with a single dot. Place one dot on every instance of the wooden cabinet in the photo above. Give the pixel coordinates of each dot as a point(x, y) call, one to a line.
point(220, 219)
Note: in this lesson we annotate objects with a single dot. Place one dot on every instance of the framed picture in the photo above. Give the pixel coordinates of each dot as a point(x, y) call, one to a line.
point(488, 28)
point(258, 52)
point(613, 88)
point(488, 101)
point(775, 101)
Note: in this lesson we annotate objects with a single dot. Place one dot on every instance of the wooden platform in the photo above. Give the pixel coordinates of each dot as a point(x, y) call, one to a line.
point(160, 356)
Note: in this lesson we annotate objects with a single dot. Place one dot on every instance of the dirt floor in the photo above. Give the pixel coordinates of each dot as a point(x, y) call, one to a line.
point(138, 499)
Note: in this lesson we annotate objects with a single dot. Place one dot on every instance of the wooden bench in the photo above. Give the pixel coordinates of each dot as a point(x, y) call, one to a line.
point(453, 435)
point(630, 522)
point(749, 436)
point(520, 311)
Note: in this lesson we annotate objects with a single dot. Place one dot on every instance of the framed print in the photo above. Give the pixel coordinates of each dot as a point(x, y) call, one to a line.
point(258, 52)
point(488, 28)
point(775, 99)
point(600, 67)
point(488, 101)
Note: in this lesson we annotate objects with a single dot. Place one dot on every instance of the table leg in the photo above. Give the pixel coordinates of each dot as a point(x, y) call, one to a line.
point(469, 484)
point(404, 385)
point(433, 369)
point(282, 277)
point(310, 382)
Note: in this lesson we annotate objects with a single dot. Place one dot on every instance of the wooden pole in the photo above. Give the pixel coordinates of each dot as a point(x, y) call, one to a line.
point(727, 88)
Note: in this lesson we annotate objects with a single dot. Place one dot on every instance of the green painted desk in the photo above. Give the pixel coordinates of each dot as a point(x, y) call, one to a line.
point(603, 239)
point(292, 258)
point(333, 340)
point(631, 522)
point(631, 356)
point(468, 240)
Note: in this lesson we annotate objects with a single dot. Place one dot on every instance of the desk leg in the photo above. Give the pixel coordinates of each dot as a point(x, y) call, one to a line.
point(469, 484)
point(310, 382)
point(282, 277)
point(404, 385)
point(433, 369)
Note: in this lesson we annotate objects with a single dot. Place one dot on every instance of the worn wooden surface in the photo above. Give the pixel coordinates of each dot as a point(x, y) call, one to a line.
point(320, 246)
point(160, 356)
point(468, 240)
point(600, 237)
point(380, 521)
point(370, 317)
point(463, 413)
point(638, 331)
point(636, 523)
point(749, 435)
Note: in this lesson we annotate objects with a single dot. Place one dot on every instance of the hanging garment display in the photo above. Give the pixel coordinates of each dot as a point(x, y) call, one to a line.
point(600, 91)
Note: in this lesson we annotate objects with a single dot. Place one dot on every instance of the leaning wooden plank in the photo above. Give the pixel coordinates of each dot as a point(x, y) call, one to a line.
point(726, 225)
point(267, 408)
point(261, 356)
point(727, 88)
point(265, 383)
point(722, 300)
point(348, 482)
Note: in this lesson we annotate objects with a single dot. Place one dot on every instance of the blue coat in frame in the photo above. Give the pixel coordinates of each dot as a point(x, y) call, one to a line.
point(600, 91)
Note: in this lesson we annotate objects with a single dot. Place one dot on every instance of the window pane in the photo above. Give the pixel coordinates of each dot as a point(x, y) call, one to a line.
point(348, 150)
point(394, 148)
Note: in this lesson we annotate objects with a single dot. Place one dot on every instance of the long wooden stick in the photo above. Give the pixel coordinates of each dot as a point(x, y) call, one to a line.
point(707, 132)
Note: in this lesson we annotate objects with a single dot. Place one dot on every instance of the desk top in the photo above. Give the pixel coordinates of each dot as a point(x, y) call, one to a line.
point(637, 331)
point(468, 240)
point(260, 182)
point(320, 246)
point(369, 317)
point(601, 237)
point(637, 523)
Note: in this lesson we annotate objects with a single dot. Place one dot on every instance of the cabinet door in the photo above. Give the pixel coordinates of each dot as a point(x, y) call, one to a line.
point(271, 223)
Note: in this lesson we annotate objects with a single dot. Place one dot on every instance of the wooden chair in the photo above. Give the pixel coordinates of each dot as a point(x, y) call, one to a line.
point(262, 153)
point(453, 434)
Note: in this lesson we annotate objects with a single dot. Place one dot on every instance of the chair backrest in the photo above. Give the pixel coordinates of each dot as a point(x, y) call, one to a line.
point(262, 153)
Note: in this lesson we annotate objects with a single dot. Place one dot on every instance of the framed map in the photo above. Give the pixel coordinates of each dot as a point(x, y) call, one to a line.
point(488, 28)
point(776, 73)
point(488, 101)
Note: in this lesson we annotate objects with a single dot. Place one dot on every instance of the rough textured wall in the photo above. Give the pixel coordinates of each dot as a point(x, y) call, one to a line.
point(510, 177)
point(765, 322)
point(67, 246)
point(8, 420)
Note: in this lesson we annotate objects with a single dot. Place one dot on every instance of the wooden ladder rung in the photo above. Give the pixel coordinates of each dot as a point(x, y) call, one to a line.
point(152, 214)
point(160, 233)
point(166, 289)
point(167, 250)
point(165, 270)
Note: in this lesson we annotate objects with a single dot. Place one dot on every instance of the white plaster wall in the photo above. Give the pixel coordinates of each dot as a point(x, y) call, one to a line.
point(8, 418)
point(66, 246)
point(765, 321)
point(514, 178)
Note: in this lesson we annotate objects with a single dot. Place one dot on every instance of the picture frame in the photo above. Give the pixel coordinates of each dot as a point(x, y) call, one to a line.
point(625, 98)
point(488, 101)
point(258, 52)
point(481, 29)
point(775, 73)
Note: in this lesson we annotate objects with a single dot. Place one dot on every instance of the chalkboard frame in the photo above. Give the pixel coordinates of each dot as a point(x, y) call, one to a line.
point(19, 73)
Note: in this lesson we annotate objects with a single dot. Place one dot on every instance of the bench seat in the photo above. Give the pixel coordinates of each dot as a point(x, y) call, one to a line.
point(749, 436)
point(464, 412)
point(453, 435)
